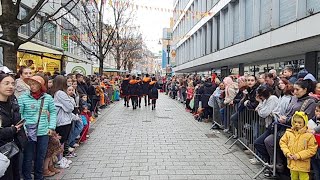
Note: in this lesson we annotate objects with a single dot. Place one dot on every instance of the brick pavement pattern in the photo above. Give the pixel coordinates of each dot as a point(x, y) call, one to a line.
point(163, 144)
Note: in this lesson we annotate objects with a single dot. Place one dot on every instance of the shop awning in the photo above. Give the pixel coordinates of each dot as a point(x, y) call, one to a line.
point(29, 46)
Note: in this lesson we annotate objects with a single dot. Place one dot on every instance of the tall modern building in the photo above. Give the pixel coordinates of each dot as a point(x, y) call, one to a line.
point(246, 35)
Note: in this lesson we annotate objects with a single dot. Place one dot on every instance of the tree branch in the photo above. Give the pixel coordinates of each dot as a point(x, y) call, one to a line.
point(33, 12)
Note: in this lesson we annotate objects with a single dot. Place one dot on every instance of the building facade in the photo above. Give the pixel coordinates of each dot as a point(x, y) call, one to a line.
point(227, 34)
point(44, 52)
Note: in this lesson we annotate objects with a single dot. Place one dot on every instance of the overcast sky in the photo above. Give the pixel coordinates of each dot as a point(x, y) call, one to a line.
point(152, 22)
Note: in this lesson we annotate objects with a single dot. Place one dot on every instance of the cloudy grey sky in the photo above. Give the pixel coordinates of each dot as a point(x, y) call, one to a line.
point(152, 21)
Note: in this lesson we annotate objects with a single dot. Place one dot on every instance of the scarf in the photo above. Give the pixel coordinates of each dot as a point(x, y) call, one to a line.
point(36, 95)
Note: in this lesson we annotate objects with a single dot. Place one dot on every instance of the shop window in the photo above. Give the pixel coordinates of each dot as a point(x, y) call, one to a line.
point(49, 33)
point(34, 26)
point(22, 14)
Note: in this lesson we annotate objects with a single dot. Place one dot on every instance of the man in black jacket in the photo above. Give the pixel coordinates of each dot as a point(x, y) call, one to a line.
point(82, 86)
point(124, 91)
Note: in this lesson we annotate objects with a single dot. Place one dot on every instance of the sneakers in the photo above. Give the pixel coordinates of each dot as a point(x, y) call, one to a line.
point(70, 149)
point(76, 145)
point(225, 130)
point(254, 161)
point(88, 136)
point(65, 160)
point(247, 152)
point(71, 155)
point(64, 163)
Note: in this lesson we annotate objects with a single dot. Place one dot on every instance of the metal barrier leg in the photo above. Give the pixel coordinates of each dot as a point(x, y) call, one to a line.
point(261, 171)
point(275, 149)
point(229, 139)
point(264, 164)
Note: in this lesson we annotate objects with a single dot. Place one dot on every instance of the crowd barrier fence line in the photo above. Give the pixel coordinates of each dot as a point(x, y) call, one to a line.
point(250, 127)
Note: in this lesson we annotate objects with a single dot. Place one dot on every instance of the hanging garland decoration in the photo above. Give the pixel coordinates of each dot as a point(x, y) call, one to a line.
point(122, 3)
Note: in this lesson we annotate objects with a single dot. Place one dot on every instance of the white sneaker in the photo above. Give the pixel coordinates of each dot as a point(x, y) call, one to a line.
point(87, 136)
point(254, 161)
point(76, 145)
point(71, 155)
point(66, 160)
point(70, 149)
point(62, 164)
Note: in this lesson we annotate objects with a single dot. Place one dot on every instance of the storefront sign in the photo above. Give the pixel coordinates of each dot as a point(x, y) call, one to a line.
point(64, 43)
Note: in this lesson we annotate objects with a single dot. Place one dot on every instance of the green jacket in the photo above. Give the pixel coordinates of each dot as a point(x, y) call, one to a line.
point(30, 107)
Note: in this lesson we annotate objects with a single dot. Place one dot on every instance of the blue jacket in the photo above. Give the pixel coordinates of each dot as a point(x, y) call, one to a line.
point(30, 107)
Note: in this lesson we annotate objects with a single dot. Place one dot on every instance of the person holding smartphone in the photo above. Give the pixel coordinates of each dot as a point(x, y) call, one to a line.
point(9, 123)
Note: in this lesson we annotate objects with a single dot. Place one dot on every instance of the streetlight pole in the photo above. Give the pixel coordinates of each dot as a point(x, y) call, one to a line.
point(168, 58)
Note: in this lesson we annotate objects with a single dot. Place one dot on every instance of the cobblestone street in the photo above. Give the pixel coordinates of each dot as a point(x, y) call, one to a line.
point(163, 144)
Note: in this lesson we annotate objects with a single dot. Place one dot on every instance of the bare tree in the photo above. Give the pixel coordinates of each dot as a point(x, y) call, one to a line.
point(132, 53)
point(126, 43)
point(10, 24)
point(102, 35)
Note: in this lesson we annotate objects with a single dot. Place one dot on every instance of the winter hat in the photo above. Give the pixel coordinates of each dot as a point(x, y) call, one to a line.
point(37, 79)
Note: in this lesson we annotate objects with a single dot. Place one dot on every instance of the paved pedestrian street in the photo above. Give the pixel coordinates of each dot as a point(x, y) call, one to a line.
point(163, 144)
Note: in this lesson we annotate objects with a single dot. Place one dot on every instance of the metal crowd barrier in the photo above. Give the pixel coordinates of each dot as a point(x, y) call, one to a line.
point(228, 112)
point(216, 113)
point(250, 127)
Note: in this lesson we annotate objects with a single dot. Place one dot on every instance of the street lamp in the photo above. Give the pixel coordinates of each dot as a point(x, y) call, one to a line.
point(168, 54)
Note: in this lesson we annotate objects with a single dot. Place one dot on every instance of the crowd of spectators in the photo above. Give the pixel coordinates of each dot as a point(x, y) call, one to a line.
point(287, 99)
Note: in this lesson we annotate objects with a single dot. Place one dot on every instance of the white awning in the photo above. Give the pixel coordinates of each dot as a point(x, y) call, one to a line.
point(29, 46)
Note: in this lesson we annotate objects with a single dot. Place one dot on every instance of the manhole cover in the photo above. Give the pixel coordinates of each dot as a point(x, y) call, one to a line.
point(211, 136)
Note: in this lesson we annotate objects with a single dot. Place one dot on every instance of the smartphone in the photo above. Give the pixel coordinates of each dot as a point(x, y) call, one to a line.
point(21, 122)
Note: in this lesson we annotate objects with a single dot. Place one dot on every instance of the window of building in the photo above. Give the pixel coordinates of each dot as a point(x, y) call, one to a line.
point(265, 15)
point(49, 33)
point(34, 26)
point(249, 18)
point(287, 11)
point(236, 22)
point(313, 6)
point(22, 14)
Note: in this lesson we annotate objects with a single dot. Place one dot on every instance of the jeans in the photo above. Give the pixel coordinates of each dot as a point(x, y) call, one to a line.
point(315, 163)
point(208, 112)
point(35, 151)
point(223, 119)
point(77, 127)
point(260, 146)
